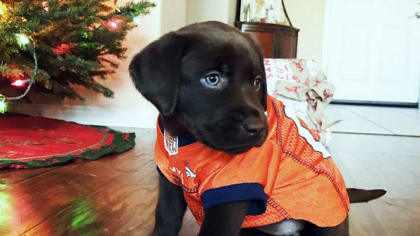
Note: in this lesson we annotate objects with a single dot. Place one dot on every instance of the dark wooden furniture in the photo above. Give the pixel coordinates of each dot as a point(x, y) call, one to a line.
point(277, 41)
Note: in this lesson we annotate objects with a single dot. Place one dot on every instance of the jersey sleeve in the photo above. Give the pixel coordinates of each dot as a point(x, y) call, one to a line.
point(252, 192)
point(244, 177)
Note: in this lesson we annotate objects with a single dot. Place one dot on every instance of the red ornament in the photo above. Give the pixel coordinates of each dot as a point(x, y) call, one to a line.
point(64, 48)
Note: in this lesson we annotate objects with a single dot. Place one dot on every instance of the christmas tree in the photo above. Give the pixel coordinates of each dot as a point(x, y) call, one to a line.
point(59, 43)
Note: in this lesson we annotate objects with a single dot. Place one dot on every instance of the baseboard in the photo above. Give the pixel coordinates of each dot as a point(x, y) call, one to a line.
point(119, 117)
point(376, 103)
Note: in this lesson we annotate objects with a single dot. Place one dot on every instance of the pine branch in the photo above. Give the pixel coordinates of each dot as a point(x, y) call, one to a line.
point(74, 40)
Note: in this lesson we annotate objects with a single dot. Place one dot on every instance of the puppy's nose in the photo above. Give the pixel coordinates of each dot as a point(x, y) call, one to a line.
point(254, 127)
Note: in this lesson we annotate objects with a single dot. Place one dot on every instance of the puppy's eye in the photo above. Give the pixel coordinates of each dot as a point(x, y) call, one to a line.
point(257, 82)
point(213, 80)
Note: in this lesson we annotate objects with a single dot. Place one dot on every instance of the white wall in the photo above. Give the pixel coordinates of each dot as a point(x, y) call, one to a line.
point(308, 16)
point(174, 15)
point(205, 10)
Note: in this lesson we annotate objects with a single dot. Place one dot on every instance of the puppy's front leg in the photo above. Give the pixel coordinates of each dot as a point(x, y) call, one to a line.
point(170, 209)
point(225, 219)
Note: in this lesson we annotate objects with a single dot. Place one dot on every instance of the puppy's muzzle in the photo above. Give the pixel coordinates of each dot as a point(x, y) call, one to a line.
point(251, 126)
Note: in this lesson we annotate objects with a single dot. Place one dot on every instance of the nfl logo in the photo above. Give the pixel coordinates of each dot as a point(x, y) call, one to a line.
point(171, 143)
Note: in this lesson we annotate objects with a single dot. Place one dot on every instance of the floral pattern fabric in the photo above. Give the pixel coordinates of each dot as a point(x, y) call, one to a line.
point(301, 85)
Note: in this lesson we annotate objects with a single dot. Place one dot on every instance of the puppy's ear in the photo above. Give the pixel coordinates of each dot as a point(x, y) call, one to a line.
point(156, 71)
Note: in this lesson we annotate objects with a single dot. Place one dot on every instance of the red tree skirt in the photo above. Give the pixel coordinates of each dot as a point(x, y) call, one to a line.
point(27, 141)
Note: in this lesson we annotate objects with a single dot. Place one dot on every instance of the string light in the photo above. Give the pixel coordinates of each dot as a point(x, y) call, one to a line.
point(3, 9)
point(45, 5)
point(19, 83)
point(113, 24)
point(22, 40)
point(3, 104)
point(85, 35)
point(136, 20)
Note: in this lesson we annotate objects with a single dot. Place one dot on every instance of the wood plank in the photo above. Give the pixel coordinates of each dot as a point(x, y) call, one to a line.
point(11, 176)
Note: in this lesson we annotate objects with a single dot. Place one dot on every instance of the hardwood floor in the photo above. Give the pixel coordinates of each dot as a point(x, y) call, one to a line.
point(116, 195)
point(112, 196)
point(388, 162)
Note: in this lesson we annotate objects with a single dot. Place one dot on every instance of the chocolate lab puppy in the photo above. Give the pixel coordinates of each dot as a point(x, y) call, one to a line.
point(238, 158)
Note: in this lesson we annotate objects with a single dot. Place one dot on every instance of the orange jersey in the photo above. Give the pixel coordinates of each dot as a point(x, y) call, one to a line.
point(290, 176)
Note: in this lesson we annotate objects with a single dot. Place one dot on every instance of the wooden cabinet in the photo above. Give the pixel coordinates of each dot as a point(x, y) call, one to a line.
point(277, 41)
